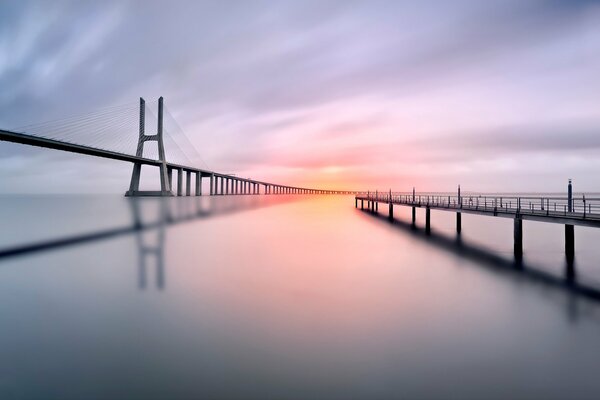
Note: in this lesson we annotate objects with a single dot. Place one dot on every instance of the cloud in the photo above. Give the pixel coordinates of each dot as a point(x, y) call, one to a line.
point(316, 85)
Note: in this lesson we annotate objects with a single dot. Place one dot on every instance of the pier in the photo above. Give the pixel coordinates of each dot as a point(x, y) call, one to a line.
point(570, 210)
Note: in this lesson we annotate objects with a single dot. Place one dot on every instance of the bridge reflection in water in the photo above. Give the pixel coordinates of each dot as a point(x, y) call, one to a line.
point(150, 219)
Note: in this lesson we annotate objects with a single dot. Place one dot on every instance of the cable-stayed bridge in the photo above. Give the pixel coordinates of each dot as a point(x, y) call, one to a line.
point(111, 133)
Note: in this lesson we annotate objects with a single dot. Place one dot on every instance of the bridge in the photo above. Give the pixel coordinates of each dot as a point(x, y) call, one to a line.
point(219, 183)
point(570, 211)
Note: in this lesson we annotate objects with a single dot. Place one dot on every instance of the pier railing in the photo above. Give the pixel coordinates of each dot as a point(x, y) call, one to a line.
point(579, 206)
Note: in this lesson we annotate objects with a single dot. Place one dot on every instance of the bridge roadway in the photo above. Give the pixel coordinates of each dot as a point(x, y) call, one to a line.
point(219, 183)
point(570, 211)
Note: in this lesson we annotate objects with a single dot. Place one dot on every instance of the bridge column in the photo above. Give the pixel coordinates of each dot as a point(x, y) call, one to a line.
point(179, 182)
point(570, 250)
point(212, 176)
point(362, 204)
point(222, 185)
point(170, 177)
point(198, 183)
point(458, 222)
point(391, 212)
point(518, 247)
point(188, 183)
point(427, 220)
point(376, 206)
point(414, 217)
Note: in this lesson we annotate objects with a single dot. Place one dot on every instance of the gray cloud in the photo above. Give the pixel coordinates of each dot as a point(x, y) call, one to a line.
point(222, 64)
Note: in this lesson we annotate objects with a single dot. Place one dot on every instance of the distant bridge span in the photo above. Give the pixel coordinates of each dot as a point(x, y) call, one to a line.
point(220, 183)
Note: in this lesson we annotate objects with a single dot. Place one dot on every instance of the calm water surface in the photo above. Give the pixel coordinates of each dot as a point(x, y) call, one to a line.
point(288, 298)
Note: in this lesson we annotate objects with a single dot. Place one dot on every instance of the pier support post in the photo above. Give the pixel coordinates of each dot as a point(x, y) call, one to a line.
point(355, 202)
point(458, 222)
point(570, 249)
point(391, 212)
point(362, 204)
point(212, 178)
point(376, 206)
point(427, 220)
point(414, 217)
point(518, 235)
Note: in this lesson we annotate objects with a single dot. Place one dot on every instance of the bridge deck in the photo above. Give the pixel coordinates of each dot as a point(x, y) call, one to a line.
point(22, 138)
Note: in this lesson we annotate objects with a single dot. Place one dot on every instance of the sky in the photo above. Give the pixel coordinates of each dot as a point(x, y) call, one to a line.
point(497, 96)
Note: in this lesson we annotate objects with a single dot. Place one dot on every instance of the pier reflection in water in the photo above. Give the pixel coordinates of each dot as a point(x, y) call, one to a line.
point(309, 298)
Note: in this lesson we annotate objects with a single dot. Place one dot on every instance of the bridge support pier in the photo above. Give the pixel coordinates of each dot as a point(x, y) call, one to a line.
point(518, 235)
point(414, 217)
point(188, 183)
point(570, 250)
point(170, 177)
point(458, 222)
point(362, 204)
point(179, 182)
point(212, 178)
point(427, 220)
point(376, 206)
point(391, 212)
point(198, 191)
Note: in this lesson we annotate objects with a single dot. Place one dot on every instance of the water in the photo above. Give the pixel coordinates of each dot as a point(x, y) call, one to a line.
point(287, 297)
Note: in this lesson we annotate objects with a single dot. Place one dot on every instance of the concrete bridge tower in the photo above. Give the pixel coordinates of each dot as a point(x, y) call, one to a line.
point(165, 184)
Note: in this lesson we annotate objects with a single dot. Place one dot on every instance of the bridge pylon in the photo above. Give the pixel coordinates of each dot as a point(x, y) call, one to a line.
point(165, 183)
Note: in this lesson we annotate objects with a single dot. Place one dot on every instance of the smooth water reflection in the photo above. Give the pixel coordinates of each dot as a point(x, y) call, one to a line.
point(285, 297)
